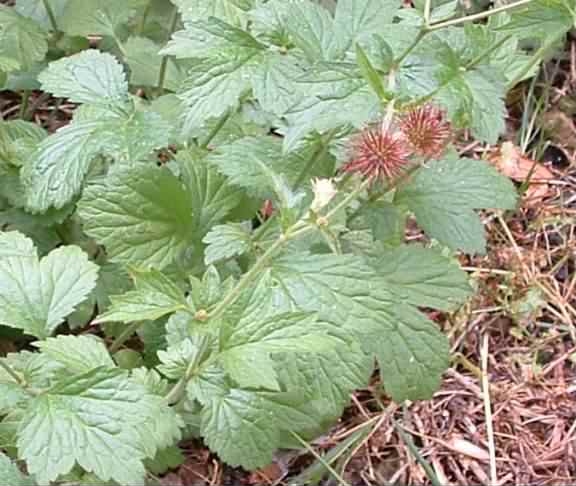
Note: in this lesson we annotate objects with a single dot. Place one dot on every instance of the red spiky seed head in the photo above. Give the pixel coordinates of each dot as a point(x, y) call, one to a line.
point(426, 130)
point(379, 153)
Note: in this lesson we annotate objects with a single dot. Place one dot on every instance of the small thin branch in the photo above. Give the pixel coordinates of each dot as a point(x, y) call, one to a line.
point(164, 63)
point(178, 390)
point(318, 154)
point(478, 16)
point(427, 8)
point(488, 411)
point(339, 479)
point(402, 57)
point(219, 125)
point(124, 336)
point(51, 15)
point(145, 14)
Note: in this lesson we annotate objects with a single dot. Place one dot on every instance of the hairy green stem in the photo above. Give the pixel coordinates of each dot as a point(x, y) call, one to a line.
point(24, 104)
point(178, 390)
point(124, 335)
point(164, 63)
point(51, 15)
point(477, 16)
point(402, 57)
point(318, 154)
point(427, 8)
point(145, 14)
point(219, 125)
point(11, 372)
point(298, 229)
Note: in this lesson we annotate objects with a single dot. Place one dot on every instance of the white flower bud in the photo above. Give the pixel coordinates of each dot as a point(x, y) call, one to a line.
point(324, 190)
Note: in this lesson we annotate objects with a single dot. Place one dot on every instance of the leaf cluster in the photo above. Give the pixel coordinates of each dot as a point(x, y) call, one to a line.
point(167, 264)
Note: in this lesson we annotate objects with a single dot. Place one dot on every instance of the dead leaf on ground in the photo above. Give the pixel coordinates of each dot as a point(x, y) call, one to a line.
point(560, 128)
point(511, 162)
point(462, 446)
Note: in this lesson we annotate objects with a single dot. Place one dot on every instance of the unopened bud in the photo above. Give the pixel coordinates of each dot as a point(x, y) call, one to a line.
point(324, 191)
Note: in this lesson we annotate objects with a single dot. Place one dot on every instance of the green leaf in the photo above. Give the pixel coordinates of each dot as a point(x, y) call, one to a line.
point(213, 197)
point(168, 458)
point(58, 167)
point(268, 21)
point(311, 29)
point(444, 194)
point(548, 19)
point(246, 346)
point(79, 354)
point(258, 165)
point(206, 37)
point(226, 241)
point(337, 98)
point(38, 294)
point(11, 392)
point(144, 60)
point(424, 276)
point(346, 291)
point(18, 139)
point(101, 420)
point(356, 19)
point(87, 77)
point(97, 17)
point(475, 98)
point(56, 172)
point(386, 221)
point(10, 474)
point(326, 379)
point(370, 74)
point(232, 11)
point(176, 359)
point(215, 85)
point(244, 427)
point(22, 41)
point(36, 10)
point(154, 296)
point(142, 215)
point(273, 83)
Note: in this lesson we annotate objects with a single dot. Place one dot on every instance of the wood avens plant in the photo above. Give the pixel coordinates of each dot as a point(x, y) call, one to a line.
point(222, 256)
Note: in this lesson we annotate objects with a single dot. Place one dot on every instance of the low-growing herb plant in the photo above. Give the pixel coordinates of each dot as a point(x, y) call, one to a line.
point(214, 245)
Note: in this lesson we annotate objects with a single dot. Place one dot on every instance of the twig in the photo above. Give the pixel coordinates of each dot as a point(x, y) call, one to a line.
point(488, 411)
point(478, 16)
point(164, 63)
point(51, 15)
point(320, 459)
point(124, 335)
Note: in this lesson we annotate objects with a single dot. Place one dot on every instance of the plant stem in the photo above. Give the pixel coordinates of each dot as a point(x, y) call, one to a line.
point(11, 372)
point(318, 154)
point(427, 8)
point(298, 229)
point(478, 16)
point(249, 276)
point(142, 23)
point(24, 104)
point(219, 124)
point(164, 63)
point(51, 15)
point(124, 335)
point(411, 47)
point(177, 391)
